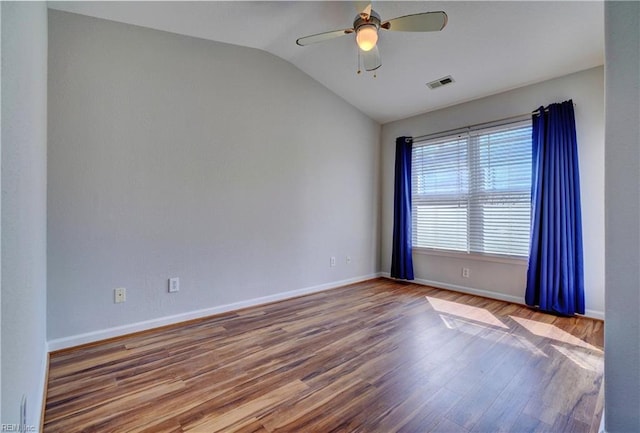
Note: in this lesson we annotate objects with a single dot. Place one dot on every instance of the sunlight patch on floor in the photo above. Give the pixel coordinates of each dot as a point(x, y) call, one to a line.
point(586, 360)
point(491, 334)
point(552, 332)
point(467, 311)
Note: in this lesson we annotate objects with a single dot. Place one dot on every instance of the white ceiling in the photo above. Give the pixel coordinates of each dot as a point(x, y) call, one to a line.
point(488, 47)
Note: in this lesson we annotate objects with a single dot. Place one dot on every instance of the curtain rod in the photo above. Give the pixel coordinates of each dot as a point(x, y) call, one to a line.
point(510, 119)
point(546, 109)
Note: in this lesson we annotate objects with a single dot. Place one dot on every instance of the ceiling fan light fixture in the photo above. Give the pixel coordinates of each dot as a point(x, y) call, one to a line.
point(367, 36)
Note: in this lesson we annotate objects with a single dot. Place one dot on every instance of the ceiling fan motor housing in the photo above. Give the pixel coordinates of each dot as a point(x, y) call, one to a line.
point(374, 19)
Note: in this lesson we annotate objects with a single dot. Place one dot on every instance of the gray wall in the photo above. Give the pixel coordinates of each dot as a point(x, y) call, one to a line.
point(505, 279)
point(622, 153)
point(24, 157)
point(222, 165)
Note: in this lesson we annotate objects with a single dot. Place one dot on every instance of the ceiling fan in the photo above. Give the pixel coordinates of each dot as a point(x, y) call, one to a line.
point(366, 26)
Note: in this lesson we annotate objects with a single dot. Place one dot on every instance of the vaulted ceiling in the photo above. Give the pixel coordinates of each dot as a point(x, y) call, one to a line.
point(487, 47)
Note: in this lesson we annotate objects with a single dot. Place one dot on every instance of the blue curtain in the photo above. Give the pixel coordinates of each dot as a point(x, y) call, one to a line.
point(555, 278)
point(401, 260)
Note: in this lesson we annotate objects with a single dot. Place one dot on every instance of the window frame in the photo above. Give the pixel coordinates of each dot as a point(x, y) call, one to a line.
point(470, 135)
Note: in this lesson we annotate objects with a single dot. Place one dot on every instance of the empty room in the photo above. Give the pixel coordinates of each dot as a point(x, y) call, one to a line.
point(313, 216)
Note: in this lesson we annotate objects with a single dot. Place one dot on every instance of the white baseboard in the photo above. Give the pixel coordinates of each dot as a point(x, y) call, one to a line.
point(472, 291)
point(463, 289)
point(91, 337)
point(593, 314)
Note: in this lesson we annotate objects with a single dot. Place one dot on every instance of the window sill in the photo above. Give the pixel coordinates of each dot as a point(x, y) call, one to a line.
point(521, 261)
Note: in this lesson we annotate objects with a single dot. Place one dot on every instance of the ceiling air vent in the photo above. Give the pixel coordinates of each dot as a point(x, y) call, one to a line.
point(440, 82)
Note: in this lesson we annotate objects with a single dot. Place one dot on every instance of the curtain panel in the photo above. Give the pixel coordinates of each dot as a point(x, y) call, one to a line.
point(401, 259)
point(555, 276)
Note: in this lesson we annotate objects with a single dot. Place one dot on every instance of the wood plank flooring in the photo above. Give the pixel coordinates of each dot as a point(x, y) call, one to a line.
point(377, 356)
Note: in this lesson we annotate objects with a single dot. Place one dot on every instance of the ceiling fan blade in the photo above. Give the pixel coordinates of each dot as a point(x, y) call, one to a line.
point(424, 22)
point(321, 37)
point(371, 59)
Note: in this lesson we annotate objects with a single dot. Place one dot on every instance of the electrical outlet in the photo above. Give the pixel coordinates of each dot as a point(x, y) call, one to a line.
point(465, 272)
point(332, 262)
point(348, 260)
point(174, 284)
point(120, 295)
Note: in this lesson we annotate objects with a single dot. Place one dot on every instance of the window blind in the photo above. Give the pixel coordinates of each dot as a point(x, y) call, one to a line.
point(471, 191)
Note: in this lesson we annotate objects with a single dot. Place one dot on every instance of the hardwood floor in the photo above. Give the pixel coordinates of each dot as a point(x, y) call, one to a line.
point(377, 356)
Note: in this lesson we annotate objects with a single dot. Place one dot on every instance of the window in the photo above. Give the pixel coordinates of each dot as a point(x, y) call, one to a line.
point(472, 190)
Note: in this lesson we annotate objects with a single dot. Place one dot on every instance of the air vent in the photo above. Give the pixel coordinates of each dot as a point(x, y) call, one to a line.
point(440, 82)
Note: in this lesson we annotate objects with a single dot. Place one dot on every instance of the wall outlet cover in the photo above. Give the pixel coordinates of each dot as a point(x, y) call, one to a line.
point(174, 285)
point(120, 295)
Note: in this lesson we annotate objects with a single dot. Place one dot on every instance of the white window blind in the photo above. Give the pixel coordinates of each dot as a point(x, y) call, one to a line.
point(471, 191)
